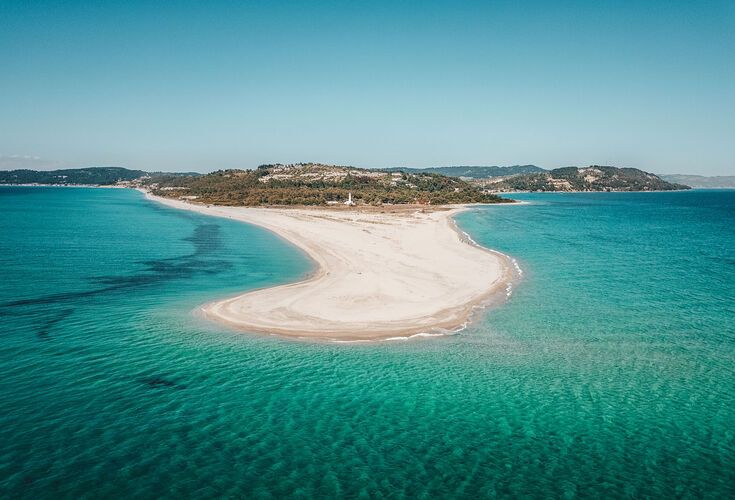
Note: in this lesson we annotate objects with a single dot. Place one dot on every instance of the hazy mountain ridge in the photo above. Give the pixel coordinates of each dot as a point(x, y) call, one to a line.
point(512, 178)
point(701, 181)
point(592, 178)
point(472, 172)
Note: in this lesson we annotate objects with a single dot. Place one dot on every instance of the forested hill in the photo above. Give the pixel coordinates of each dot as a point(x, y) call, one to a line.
point(99, 176)
point(319, 184)
point(472, 172)
point(593, 178)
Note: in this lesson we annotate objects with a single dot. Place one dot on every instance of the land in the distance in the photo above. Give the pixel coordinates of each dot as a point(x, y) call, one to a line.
point(592, 178)
point(275, 185)
point(320, 184)
point(702, 181)
point(88, 176)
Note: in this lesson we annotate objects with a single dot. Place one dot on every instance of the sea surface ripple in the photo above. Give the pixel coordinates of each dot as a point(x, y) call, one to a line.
point(608, 373)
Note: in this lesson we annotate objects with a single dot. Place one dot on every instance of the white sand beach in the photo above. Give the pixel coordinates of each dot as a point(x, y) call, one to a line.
point(380, 273)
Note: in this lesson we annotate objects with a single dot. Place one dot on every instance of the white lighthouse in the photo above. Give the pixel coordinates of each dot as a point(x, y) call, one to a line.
point(349, 201)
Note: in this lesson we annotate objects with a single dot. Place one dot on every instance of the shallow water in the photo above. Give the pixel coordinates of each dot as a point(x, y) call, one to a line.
point(611, 370)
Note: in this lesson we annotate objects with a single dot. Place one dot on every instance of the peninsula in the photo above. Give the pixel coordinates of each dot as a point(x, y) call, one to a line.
point(390, 262)
point(381, 273)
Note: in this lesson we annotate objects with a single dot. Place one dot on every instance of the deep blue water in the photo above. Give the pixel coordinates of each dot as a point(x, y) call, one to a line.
point(610, 372)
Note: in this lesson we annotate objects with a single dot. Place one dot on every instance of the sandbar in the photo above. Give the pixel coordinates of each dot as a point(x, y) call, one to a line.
point(380, 273)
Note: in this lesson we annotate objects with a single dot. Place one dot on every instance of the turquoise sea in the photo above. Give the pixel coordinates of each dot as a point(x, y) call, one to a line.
point(609, 373)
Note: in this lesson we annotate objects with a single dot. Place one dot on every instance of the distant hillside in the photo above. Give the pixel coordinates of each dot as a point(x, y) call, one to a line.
point(701, 181)
point(472, 172)
point(102, 176)
point(593, 178)
point(318, 184)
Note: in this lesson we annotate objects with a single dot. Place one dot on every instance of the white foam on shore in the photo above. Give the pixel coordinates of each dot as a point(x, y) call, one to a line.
point(468, 239)
point(422, 334)
point(516, 266)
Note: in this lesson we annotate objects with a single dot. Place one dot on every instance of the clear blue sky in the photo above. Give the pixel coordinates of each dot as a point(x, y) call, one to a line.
point(225, 84)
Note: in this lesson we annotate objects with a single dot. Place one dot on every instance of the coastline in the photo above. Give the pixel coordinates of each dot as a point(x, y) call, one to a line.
point(91, 186)
point(379, 274)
